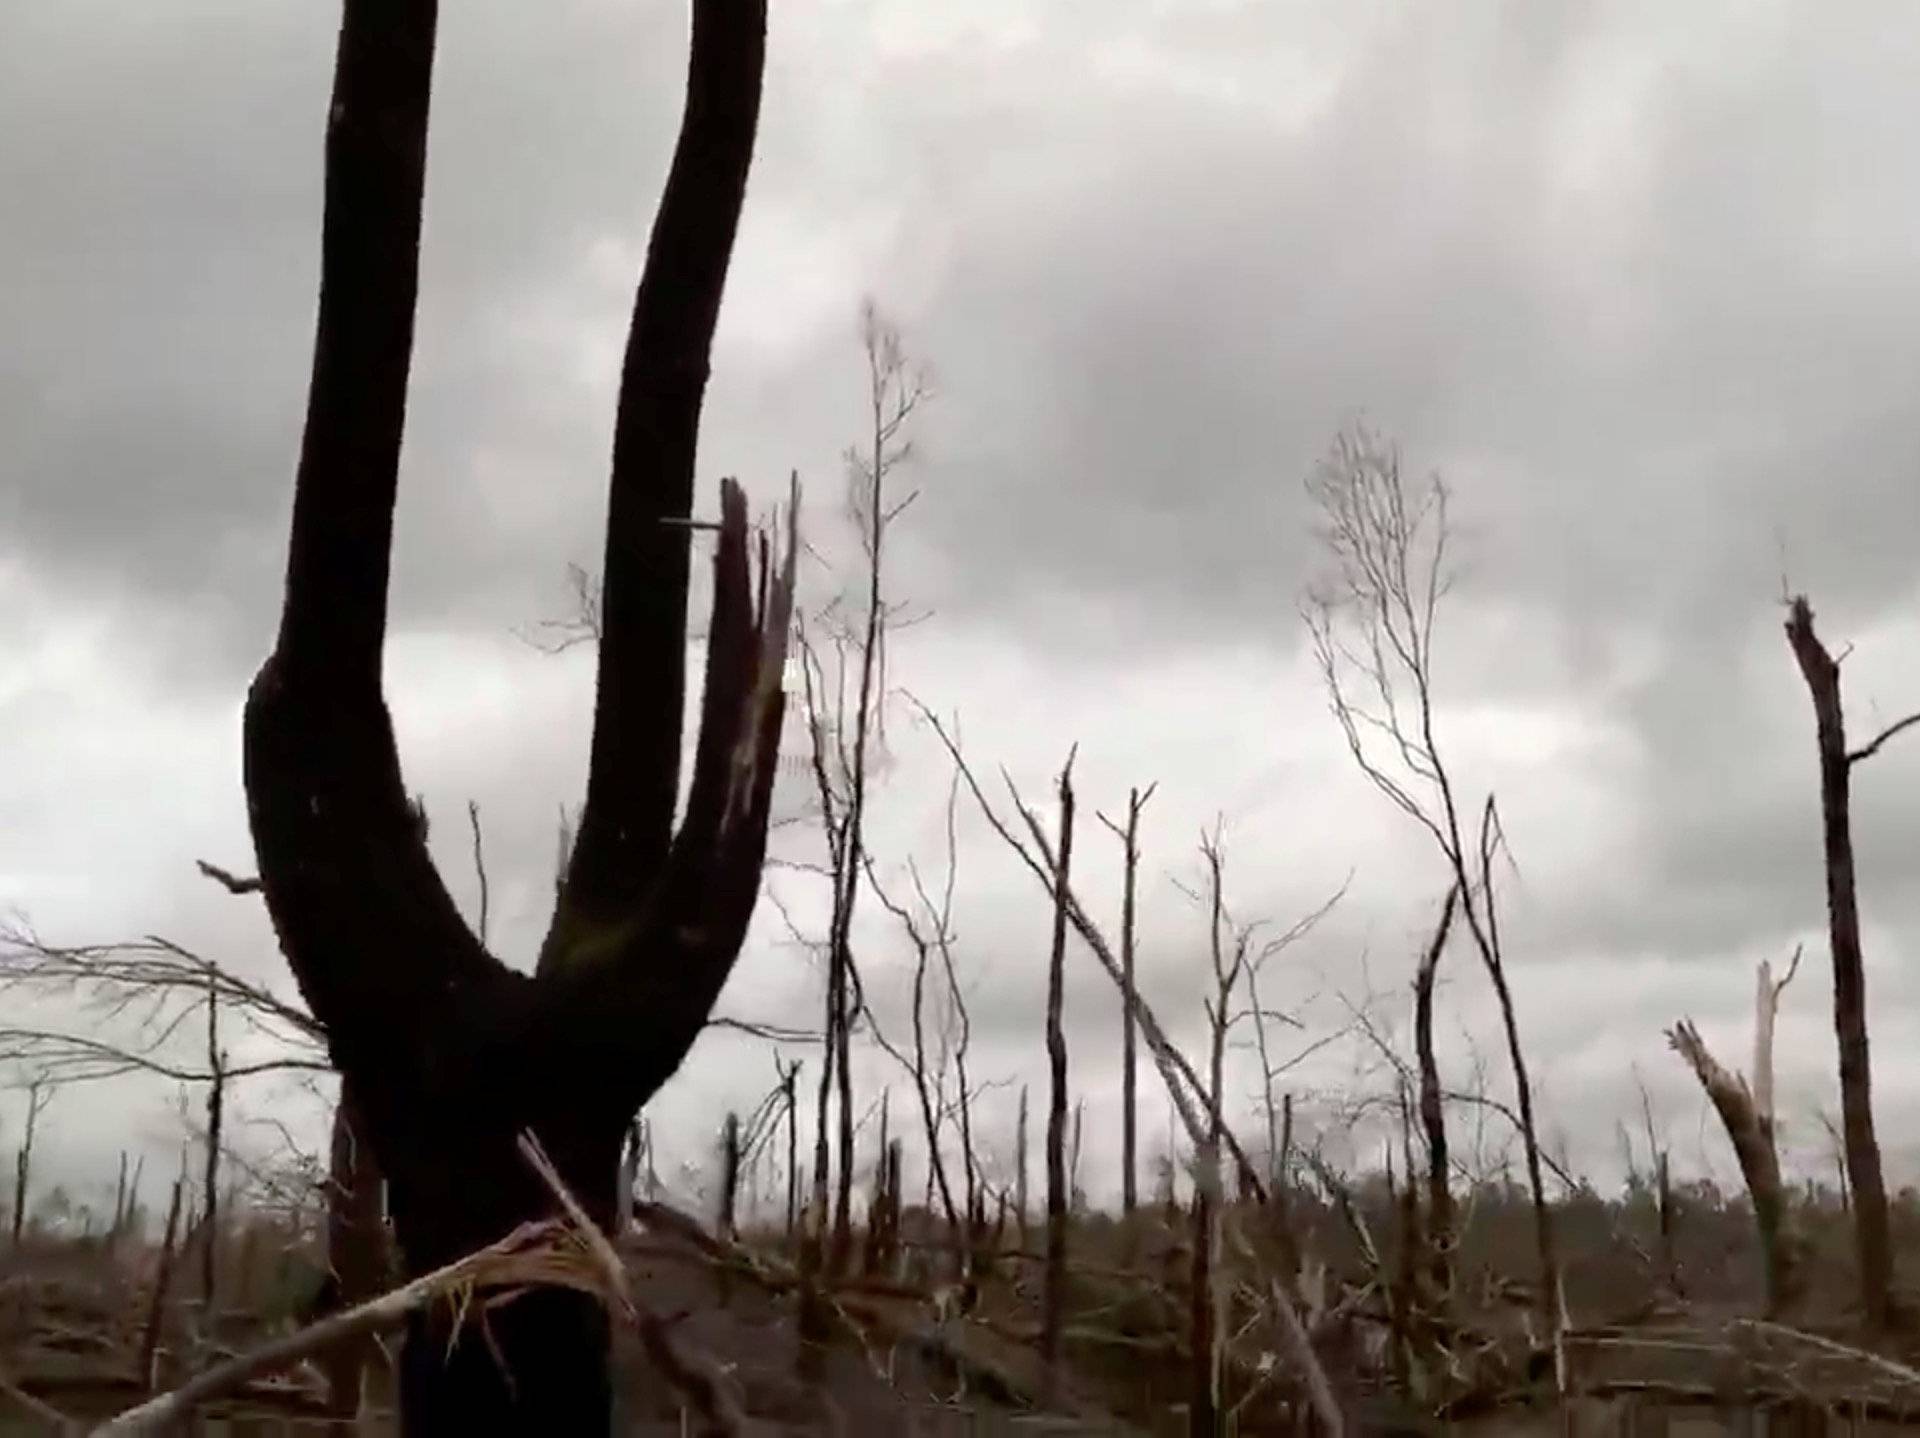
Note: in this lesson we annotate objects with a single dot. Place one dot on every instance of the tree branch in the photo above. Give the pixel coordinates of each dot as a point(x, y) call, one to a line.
point(1868, 750)
point(633, 777)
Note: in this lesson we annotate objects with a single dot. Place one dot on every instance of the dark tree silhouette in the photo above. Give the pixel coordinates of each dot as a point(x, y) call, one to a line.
point(451, 1053)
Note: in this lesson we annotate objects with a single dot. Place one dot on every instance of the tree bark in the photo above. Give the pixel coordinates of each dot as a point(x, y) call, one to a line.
point(356, 1247)
point(1873, 1249)
point(1433, 1117)
point(449, 1053)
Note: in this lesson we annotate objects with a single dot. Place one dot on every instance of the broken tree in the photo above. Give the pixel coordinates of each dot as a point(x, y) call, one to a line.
point(450, 1053)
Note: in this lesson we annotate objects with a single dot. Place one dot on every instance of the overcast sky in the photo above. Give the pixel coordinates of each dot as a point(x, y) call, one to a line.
point(1638, 278)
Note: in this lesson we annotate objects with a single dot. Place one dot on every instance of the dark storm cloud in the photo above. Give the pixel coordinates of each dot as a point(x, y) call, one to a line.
point(1644, 362)
point(159, 264)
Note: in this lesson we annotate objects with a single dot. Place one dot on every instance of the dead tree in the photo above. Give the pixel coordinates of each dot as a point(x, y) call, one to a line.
point(1746, 1111)
point(789, 1077)
point(216, 1113)
point(1185, 1088)
point(1372, 630)
point(39, 1095)
point(1821, 670)
point(1129, 837)
point(450, 1053)
point(1053, 1303)
point(1203, 1402)
point(157, 1301)
point(843, 741)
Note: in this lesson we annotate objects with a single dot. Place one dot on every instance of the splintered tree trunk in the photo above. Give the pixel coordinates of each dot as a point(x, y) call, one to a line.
point(1752, 1137)
point(1872, 1246)
point(1054, 1298)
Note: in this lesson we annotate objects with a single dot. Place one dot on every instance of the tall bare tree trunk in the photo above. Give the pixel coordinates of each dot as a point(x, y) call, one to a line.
point(1873, 1249)
point(1129, 1034)
point(1054, 1298)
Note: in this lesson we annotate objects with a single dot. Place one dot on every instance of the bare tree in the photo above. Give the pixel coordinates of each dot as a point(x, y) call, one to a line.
point(845, 728)
point(1129, 837)
point(1821, 670)
point(450, 1053)
point(137, 998)
point(1184, 1086)
point(1372, 628)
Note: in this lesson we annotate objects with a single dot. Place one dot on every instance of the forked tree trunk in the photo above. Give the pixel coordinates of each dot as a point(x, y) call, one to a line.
point(451, 1054)
point(1872, 1247)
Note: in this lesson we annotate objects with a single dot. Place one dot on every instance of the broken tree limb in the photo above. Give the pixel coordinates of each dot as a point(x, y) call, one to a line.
point(532, 1253)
